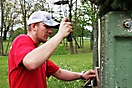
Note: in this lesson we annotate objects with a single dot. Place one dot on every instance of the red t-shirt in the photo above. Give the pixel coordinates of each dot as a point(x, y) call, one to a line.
point(19, 76)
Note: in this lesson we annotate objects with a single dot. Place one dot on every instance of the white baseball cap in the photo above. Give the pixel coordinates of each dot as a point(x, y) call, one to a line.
point(42, 16)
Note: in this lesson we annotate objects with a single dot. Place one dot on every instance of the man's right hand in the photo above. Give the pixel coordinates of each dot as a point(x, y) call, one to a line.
point(65, 27)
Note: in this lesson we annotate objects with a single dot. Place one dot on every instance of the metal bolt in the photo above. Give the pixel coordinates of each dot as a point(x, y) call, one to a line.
point(127, 24)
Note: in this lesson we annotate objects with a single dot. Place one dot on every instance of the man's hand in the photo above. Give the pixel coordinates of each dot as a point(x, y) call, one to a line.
point(89, 74)
point(65, 27)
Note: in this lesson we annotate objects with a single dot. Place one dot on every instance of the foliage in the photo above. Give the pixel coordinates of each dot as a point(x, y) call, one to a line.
point(54, 31)
point(87, 15)
point(60, 51)
point(16, 33)
point(112, 5)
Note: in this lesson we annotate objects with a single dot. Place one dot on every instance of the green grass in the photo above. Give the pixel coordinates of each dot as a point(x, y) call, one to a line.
point(76, 61)
point(3, 72)
point(73, 62)
point(63, 58)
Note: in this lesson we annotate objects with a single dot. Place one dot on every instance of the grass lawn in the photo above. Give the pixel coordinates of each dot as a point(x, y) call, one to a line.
point(73, 62)
point(3, 72)
point(78, 62)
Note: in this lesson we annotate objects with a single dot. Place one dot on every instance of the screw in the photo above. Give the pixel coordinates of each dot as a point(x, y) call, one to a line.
point(127, 24)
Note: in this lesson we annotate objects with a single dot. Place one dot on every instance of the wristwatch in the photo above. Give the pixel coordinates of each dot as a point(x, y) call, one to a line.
point(81, 76)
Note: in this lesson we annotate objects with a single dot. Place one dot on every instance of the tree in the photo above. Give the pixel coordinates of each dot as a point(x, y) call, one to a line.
point(2, 20)
point(8, 21)
point(24, 12)
point(112, 5)
point(42, 5)
point(75, 28)
point(14, 14)
point(87, 16)
point(70, 15)
point(29, 6)
point(16, 33)
point(9, 17)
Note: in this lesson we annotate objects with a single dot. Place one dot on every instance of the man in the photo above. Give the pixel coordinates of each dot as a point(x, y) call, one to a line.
point(29, 64)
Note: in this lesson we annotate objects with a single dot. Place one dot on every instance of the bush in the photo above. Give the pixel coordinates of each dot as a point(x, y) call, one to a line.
point(60, 51)
point(16, 33)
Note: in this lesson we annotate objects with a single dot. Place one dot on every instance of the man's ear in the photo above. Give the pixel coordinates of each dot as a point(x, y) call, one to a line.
point(33, 26)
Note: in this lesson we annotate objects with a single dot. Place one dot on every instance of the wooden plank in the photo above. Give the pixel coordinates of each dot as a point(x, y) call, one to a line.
point(97, 78)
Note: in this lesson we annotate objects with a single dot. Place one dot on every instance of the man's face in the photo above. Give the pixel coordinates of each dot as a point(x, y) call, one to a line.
point(43, 31)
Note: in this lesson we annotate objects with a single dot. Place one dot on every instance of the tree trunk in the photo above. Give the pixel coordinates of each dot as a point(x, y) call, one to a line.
point(91, 42)
point(75, 29)
point(24, 18)
point(93, 21)
point(5, 33)
point(2, 21)
point(82, 43)
point(70, 15)
point(23, 8)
